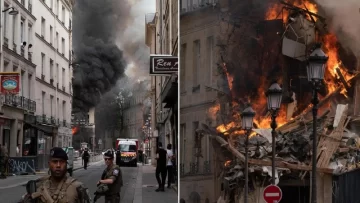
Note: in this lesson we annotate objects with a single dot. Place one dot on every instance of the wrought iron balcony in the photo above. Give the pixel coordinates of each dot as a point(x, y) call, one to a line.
point(6, 42)
point(195, 169)
point(22, 51)
point(30, 56)
point(20, 102)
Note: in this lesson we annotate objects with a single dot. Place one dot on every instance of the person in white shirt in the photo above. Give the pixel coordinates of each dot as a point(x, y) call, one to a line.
point(169, 165)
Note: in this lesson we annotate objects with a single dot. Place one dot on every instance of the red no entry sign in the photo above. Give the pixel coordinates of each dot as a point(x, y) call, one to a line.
point(272, 194)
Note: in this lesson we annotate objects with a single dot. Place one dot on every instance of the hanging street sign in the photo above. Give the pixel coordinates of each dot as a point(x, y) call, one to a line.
point(10, 83)
point(163, 64)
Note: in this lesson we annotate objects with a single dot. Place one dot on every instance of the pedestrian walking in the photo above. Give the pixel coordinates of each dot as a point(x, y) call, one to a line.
point(112, 178)
point(169, 165)
point(57, 187)
point(160, 167)
point(85, 157)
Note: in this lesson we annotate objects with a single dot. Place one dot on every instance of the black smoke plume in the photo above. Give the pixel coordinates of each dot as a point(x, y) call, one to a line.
point(98, 62)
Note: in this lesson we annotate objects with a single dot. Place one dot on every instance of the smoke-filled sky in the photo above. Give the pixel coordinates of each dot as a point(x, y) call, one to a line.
point(344, 18)
point(106, 34)
point(132, 40)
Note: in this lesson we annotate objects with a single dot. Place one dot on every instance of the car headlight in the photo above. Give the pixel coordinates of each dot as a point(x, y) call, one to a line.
point(134, 157)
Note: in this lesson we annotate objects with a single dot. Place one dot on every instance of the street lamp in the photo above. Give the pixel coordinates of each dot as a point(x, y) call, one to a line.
point(274, 96)
point(12, 12)
point(315, 71)
point(247, 119)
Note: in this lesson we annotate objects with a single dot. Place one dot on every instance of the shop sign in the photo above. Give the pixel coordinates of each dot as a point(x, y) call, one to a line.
point(163, 64)
point(10, 83)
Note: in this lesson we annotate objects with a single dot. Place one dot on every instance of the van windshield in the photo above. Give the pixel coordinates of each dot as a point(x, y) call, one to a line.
point(127, 148)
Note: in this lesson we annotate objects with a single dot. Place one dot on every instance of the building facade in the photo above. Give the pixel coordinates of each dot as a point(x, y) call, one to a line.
point(133, 111)
point(199, 32)
point(17, 35)
point(53, 74)
point(162, 39)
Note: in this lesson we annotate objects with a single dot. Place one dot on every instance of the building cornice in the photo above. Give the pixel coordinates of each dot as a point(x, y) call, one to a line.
point(11, 52)
point(26, 10)
point(55, 16)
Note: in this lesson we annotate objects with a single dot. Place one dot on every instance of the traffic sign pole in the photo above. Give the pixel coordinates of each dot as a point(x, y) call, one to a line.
point(272, 194)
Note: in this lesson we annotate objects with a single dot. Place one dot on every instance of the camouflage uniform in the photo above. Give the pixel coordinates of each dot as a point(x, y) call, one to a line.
point(113, 194)
point(67, 190)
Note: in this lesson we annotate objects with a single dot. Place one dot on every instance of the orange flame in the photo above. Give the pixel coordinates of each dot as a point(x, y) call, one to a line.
point(74, 130)
point(259, 105)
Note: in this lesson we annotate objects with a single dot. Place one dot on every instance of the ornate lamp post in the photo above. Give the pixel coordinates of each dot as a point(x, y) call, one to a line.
point(247, 119)
point(274, 96)
point(315, 71)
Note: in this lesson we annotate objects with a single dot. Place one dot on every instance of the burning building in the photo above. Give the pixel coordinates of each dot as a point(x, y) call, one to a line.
point(258, 43)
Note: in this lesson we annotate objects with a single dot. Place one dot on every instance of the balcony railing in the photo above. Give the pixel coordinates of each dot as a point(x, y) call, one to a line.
point(23, 2)
point(20, 102)
point(30, 56)
point(22, 50)
point(30, 7)
point(195, 169)
point(6, 42)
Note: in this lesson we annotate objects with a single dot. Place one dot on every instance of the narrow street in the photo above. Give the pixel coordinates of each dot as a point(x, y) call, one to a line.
point(12, 193)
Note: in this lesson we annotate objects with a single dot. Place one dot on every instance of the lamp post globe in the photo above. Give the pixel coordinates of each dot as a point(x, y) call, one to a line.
point(316, 64)
point(247, 118)
point(274, 97)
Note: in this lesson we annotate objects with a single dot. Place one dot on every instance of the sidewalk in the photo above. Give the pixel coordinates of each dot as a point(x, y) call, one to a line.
point(16, 180)
point(146, 185)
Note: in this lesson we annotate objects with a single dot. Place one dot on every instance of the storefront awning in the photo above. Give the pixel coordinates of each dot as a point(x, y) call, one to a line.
point(49, 130)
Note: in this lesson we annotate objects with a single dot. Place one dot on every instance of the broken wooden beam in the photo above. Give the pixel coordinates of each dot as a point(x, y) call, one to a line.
point(327, 97)
point(342, 79)
point(329, 145)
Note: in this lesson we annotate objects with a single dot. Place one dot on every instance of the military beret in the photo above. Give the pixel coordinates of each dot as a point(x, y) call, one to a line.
point(58, 153)
point(109, 154)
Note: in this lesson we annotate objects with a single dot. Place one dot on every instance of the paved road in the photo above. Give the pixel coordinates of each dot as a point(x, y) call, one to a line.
point(88, 177)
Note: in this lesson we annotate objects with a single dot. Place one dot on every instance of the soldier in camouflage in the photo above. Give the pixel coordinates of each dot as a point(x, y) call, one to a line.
point(57, 187)
point(112, 177)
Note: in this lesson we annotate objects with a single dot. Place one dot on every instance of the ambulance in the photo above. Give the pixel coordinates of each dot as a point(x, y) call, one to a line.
point(127, 152)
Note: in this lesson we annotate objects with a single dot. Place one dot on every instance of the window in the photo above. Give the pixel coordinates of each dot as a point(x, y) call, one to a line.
point(63, 76)
point(22, 30)
point(210, 58)
point(70, 24)
point(51, 106)
point(63, 45)
point(51, 69)
point(63, 14)
point(43, 103)
point(14, 28)
point(196, 61)
point(183, 142)
point(64, 110)
point(183, 67)
point(57, 73)
point(5, 21)
point(22, 83)
point(57, 41)
point(30, 33)
point(57, 8)
point(51, 35)
point(58, 107)
point(29, 85)
point(42, 27)
point(42, 63)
